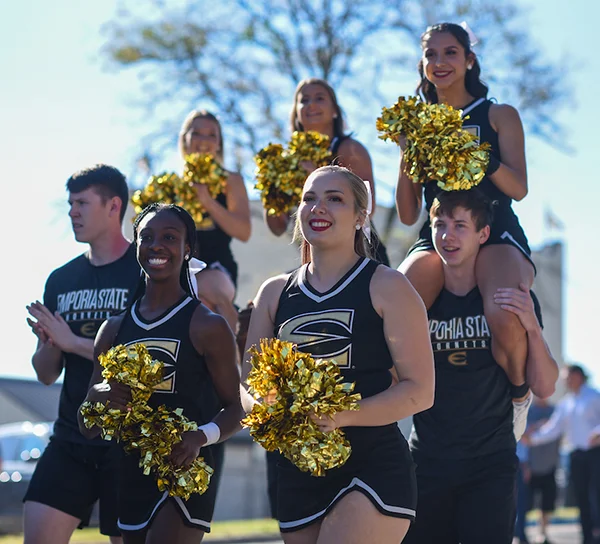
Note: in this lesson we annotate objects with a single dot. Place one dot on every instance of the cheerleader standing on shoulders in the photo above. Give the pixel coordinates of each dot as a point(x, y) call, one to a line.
point(449, 73)
point(200, 376)
point(316, 108)
point(229, 217)
point(342, 305)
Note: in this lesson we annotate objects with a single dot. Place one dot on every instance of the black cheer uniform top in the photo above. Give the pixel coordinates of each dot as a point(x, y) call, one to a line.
point(472, 412)
point(340, 324)
point(186, 384)
point(477, 122)
point(213, 244)
point(85, 296)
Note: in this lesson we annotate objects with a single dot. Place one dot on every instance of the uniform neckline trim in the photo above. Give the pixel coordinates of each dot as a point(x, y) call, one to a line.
point(472, 106)
point(149, 325)
point(346, 279)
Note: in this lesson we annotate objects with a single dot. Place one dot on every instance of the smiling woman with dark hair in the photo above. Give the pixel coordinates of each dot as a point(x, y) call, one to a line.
point(449, 73)
point(201, 377)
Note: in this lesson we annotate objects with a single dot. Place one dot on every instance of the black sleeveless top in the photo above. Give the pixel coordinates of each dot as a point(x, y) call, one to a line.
point(213, 244)
point(187, 383)
point(340, 324)
point(477, 121)
point(335, 145)
point(472, 412)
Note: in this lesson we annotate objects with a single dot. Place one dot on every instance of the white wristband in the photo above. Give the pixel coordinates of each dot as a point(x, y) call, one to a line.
point(212, 432)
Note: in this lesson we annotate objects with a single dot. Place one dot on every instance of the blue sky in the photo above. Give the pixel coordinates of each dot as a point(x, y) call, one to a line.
point(63, 110)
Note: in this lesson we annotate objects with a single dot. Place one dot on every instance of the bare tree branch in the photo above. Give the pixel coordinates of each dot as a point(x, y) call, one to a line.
point(243, 58)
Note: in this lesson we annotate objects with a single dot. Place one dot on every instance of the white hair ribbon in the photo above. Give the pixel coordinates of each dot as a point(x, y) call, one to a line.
point(472, 38)
point(366, 227)
point(195, 266)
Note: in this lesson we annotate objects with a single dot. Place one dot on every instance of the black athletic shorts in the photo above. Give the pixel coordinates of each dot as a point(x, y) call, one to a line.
point(380, 467)
point(545, 485)
point(71, 477)
point(500, 234)
point(272, 480)
point(140, 499)
point(467, 501)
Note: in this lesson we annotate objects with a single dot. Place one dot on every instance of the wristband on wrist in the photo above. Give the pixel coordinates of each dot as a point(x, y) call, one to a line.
point(493, 165)
point(211, 431)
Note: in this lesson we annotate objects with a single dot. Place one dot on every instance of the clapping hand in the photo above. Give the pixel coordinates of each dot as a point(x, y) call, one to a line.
point(50, 327)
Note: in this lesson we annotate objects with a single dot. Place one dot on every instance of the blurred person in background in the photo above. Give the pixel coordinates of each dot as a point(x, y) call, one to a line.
point(537, 474)
point(577, 419)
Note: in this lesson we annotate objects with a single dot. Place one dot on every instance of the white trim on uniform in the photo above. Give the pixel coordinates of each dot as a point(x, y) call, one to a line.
point(356, 482)
point(201, 522)
point(472, 106)
point(508, 235)
point(321, 298)
point(143, 525)
point(150, 326)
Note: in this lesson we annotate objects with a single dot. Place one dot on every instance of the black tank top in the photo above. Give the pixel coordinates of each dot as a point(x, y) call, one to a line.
point(213, 244)
point(186, 384)
point(339, 324)
point(335, 145)
point(472, 412)
point(477, 122)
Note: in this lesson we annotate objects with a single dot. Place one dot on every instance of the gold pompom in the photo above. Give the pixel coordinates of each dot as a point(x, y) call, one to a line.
point(169, 188)
point(152, 433)
point(200, 168)
point(293, 385)
point(159, 188)
point(279, 174)
point(437, 147)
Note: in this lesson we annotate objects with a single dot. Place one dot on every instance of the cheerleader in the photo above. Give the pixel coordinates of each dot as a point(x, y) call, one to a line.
point(340, 304)
point(316, 108)
point(449, 71)
point(200, 377)
point(228, 218)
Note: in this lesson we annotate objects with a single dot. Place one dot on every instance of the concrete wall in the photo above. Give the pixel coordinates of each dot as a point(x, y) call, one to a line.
point(243, 491)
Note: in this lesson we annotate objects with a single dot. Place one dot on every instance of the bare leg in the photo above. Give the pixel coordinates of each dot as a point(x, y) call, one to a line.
point(216, 290)
point(309, 535)
point(46, 525)
point(354, 520)
point(545, 520)
point(425, 272)
point(168, 526)
point(504, 266)
point(115, 540)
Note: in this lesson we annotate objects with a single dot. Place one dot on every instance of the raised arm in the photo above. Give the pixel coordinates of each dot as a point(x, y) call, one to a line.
point(235, 218)
point(511, 176)
point(409, 195)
